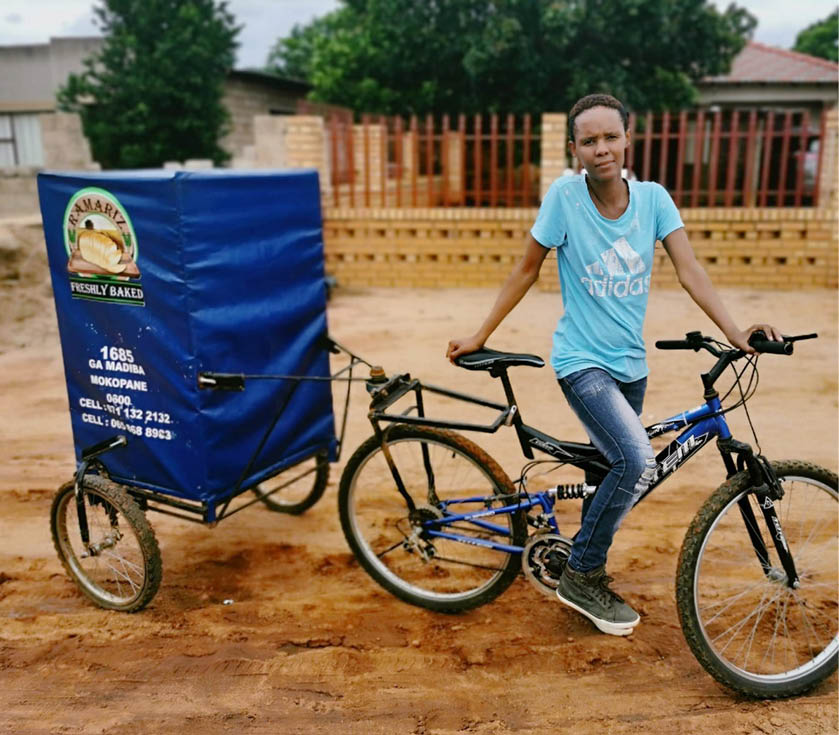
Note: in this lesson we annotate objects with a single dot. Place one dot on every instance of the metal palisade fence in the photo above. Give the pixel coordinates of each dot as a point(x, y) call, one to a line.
point(705, 157)
point(472, 161)
point(732, 157)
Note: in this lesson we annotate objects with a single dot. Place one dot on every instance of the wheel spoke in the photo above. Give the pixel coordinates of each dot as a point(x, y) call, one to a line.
point(390, 548)
point(467, 563)
point(120, 567)
point(737, 626)
point(729, 601)
point(755, 633)
point(134, 567)
point(455, 574)
point(123, 573)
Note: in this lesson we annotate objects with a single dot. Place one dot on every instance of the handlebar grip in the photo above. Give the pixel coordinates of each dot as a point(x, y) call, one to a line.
point(772, 347)
point(673, 344)
point(761, 344)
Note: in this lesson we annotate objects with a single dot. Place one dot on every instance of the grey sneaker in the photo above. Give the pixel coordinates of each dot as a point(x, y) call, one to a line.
point(588, 593)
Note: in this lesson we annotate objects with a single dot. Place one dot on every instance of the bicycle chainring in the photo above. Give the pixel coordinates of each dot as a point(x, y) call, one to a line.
point(543, 559)
point(424, 513)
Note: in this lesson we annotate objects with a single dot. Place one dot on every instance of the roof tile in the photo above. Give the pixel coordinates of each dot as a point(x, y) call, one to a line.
point(758, 62)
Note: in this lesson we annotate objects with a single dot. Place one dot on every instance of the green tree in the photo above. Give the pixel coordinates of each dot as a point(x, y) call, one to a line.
point(821, 38)
point(419, 56)
point(153, 93)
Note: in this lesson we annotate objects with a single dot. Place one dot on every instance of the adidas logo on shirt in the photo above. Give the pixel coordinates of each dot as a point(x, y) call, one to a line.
point(619, 273)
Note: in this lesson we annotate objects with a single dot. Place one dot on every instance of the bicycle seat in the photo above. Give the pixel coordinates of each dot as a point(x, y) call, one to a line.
point(492, 360)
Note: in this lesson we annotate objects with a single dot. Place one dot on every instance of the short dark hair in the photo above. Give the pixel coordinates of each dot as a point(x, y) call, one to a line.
point(595, 100)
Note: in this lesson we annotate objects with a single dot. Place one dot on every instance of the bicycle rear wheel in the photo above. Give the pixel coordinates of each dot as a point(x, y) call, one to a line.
point(444, 474)
point(120, 567)
point(749, 629)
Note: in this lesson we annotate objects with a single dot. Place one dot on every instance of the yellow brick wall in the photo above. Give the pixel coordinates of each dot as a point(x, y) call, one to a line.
point(771, 248)
point(829, 180)
point(305, 144)
point(554, 149)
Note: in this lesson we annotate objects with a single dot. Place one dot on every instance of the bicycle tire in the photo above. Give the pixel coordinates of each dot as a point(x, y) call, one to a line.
point(749, 630)
point(374, 517)
point(295, 496)
point(126, 571)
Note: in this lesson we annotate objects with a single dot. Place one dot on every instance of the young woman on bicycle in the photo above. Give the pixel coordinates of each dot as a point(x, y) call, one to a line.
point(604, 230)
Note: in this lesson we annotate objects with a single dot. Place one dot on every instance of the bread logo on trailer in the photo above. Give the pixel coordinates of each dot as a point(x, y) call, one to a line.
point(102, 249)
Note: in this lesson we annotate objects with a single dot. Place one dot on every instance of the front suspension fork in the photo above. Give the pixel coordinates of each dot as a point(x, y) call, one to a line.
point(766, 489)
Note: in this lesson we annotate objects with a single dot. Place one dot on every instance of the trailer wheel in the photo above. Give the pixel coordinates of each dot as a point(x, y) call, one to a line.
point(119, 567)
point(297, 488)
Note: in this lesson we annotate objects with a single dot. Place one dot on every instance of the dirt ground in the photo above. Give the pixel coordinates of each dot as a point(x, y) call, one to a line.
point(310, 644)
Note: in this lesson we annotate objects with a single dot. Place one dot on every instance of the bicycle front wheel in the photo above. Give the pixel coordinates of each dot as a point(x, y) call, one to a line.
point(445, 475)
point(747, 627)
point(119, 567)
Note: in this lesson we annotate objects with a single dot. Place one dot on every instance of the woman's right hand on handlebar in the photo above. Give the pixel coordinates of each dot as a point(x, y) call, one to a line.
point(464, 346)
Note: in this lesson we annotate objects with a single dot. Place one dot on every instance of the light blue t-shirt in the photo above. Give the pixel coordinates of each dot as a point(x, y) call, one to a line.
point(604, 273)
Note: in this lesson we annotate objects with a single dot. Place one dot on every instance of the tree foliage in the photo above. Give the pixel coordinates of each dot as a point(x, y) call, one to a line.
point(821, 38)
point(419, 56)
point(153, 93)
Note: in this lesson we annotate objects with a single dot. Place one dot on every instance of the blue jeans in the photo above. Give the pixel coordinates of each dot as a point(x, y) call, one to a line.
point(610, 411)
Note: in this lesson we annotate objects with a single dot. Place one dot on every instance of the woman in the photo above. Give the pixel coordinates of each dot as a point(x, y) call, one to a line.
point(604, 230)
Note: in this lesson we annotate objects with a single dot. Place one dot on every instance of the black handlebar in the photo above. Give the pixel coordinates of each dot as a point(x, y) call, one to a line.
point(674, 344)
point(696, 341)
point(692, 341)
point(761, 344)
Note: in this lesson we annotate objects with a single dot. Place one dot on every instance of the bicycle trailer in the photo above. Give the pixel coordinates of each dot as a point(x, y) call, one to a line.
point(162, 276)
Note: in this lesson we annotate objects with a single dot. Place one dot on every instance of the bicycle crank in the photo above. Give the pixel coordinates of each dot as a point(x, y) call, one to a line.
point(543, 559)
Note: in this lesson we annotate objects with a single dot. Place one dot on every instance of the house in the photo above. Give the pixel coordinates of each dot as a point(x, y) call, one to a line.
point(767, 76)
point(30, 76)
point(794, 89)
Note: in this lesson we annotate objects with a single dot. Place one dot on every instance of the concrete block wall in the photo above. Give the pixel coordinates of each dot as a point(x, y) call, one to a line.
point(65, 148)
point(64, 143)
point(762, 248)
point(18, 192)
point(245, 100)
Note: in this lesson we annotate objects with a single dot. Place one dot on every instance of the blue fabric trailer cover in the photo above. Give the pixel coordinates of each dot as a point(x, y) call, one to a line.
point(158, 276)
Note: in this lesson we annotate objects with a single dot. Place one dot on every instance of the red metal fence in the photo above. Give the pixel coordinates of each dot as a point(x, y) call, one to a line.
point(474, 161)
point(704, 157)
point(730, 158)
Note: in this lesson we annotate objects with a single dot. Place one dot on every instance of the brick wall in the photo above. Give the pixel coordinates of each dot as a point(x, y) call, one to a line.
point(554, 150)
point(829, 180)
point(296, 141)
point(783, 248)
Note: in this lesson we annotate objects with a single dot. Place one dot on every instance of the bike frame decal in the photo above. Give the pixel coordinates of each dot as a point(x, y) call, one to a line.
point(554, 450)
point(668, 459)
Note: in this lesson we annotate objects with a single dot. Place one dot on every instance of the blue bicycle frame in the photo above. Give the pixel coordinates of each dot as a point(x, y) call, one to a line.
point(700, 425)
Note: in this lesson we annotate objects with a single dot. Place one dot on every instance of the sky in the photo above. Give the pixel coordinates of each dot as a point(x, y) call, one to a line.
point(264, 21)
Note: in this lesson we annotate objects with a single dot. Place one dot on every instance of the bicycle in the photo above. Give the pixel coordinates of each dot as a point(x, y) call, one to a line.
point(437, 522)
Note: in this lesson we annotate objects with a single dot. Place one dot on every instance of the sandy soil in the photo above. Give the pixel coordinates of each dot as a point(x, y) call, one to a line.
point(310, 643)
